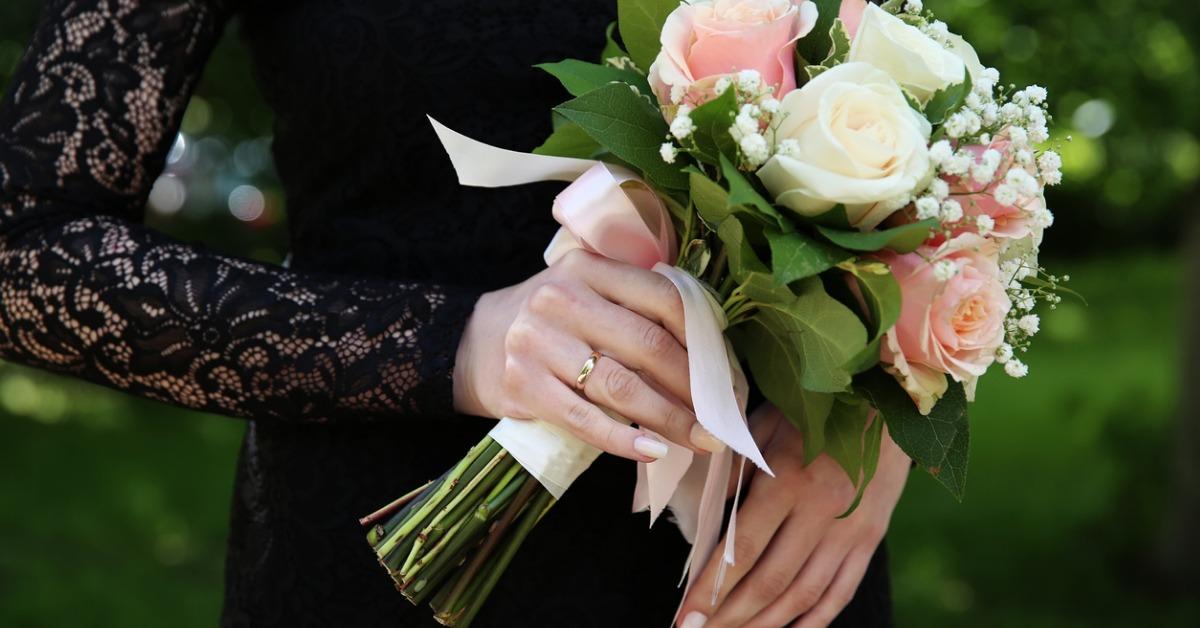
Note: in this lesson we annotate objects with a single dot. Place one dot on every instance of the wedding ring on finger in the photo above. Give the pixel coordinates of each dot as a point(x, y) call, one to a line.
point(586, 370)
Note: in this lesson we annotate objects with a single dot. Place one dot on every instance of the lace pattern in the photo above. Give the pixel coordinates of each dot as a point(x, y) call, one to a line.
point(86, 291)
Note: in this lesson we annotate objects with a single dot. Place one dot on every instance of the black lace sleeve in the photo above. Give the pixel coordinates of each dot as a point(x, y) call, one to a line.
point(85, 289)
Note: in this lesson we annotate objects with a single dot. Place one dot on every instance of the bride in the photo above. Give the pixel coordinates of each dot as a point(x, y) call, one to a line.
point(411, 307)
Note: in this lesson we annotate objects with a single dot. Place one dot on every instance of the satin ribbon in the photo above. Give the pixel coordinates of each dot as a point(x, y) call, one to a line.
point(609, 211)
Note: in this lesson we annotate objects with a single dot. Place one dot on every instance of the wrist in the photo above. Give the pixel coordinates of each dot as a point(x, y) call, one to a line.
point(466, 393)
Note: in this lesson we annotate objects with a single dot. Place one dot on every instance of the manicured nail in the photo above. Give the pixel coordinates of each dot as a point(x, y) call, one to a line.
point(704, 439)
point(694, 619)
point(649, 447)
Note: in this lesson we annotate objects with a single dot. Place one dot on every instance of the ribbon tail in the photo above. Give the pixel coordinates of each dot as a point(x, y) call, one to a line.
point(658, 481)
point(713, 397)
point(730, 533)
point(708, 527)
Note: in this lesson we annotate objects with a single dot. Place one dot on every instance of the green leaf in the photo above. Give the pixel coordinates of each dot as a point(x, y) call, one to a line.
point(641, 23)
point(902, 239)
point(824, 334)
point(879, 291)
point(741, 257)
point(844, 435)
point(853, 437)
point(818, 44)
point(881, 295)
point(835, 218)
point(839, 44)
point(569, 140)
point(777, 373)
point(629, 127)
point(762, 288)
point(581, 77)
point(866, 359)
point(712, 201)
point(712, 120)
point(872, 442)
point(797, 256)
point(741, 192)
point(681, 214)
point(938, 442)
point(813, 71)
point(612, 50)
point(947, 100)
point(893, 6)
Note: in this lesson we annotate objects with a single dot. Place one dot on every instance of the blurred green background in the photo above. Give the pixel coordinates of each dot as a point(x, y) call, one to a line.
point(1084, 496)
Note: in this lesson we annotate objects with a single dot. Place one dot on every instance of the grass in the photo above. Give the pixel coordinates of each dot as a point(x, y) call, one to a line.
point(115, 509)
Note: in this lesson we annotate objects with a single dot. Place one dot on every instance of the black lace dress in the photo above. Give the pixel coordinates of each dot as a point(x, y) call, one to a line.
point(342, 363)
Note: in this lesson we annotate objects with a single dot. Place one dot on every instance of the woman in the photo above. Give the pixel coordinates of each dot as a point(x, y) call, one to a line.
point(410, 302)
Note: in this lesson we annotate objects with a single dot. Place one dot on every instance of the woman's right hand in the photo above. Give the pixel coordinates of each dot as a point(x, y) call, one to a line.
point(525, 345)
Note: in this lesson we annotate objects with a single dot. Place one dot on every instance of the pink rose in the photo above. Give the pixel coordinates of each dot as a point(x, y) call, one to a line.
point(948, 325)
point(851, 13)
point(707, 39)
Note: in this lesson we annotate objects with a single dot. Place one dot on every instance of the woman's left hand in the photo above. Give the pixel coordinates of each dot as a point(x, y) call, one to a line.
point(795, 561)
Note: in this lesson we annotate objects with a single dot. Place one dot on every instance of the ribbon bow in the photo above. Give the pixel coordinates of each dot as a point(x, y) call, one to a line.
point(608, 210)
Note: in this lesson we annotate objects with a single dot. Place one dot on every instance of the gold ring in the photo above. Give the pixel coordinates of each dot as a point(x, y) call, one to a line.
point(588, 367)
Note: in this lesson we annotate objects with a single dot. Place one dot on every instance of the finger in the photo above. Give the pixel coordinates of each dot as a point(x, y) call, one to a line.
point(807, 588)
point(558, 404)
point(758, 518)
point(636, 342)
point(774, 573)
point(620, 389)
point(840, 591)
point(612, 386)
point(646, 292)
point(763, 422)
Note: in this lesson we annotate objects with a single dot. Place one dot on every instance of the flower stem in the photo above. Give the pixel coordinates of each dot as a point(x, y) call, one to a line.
point(464, 578)
point(477, 473)
point(387, 510)
point(468, 536)
point(427, 508)
point(483, 586)
point(466, 502)
point(718, 266)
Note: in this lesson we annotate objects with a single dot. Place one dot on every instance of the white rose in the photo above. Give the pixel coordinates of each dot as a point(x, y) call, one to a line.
point(857, 142)
point(911, 57)
point(966, 52)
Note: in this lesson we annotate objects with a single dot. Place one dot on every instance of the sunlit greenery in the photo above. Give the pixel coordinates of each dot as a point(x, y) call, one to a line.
point(115, 509)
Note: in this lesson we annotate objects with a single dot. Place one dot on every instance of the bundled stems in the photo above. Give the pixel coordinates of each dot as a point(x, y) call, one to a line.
point(450, 540)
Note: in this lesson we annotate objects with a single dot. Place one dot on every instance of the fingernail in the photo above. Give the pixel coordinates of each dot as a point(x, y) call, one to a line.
point(704, 439)
point(694, 619)
point(649, 447)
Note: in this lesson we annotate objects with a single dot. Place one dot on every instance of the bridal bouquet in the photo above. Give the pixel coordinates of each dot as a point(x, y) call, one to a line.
point(850, 204)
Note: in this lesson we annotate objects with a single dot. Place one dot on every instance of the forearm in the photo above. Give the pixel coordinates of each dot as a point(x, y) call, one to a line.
point(121, 305)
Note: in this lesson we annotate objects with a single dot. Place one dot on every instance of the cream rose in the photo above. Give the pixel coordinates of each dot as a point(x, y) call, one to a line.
point(920, 64)
point(948, 326)
point(848, 137)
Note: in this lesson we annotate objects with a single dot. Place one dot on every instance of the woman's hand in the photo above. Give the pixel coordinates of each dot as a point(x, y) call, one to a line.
point(794, 560)
point(525, 345)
